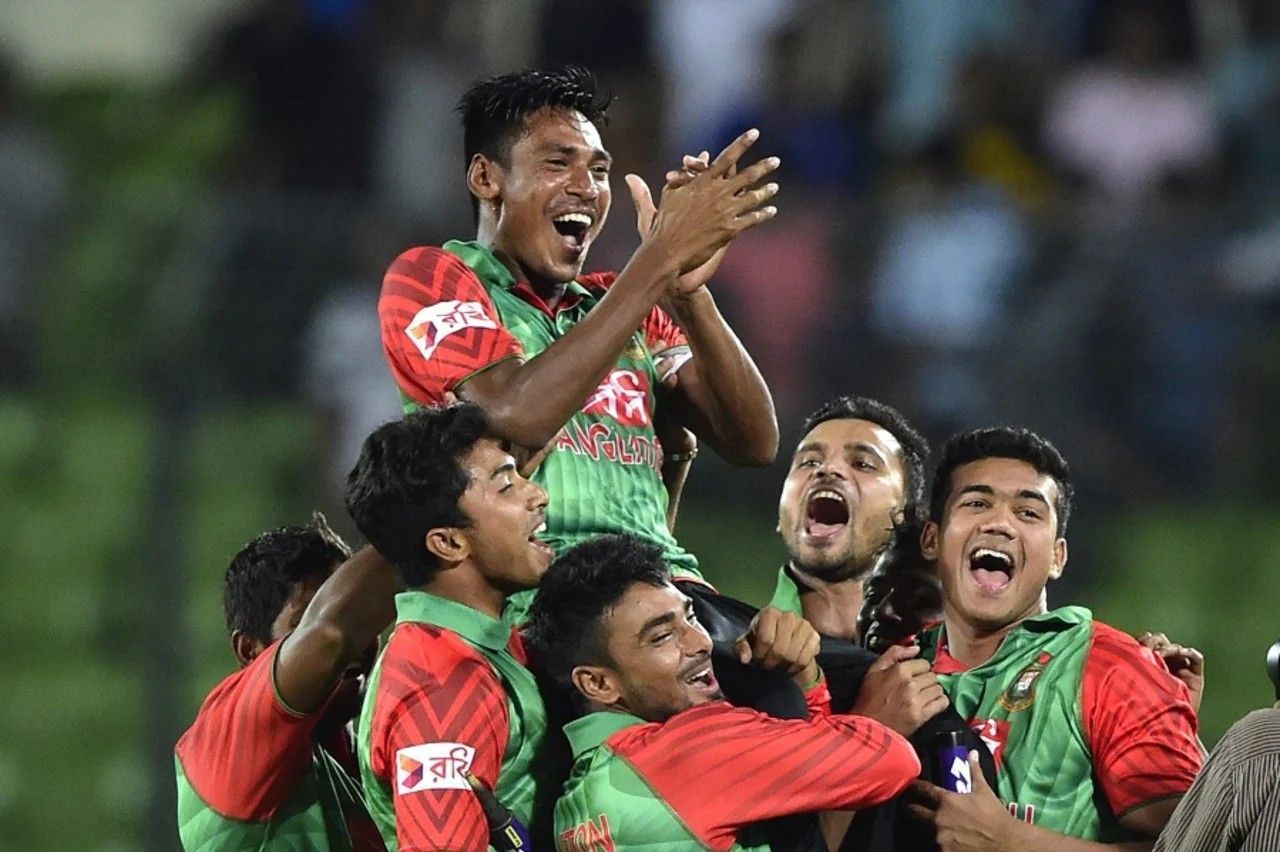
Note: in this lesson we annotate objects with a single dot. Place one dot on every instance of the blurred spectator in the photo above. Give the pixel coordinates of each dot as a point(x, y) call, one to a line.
point(952, 250)
point(712, 52)
point(33, 194)
point(309, 92)
point(1138, 114)
point(1246, 85)
point(928, 41)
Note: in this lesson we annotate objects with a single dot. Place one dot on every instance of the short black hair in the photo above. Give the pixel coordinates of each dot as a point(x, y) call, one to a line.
point(494, 110)
point(1003, 442)
point(575, 594)
point(264, 574)
point(409, 479)
point(914, 447)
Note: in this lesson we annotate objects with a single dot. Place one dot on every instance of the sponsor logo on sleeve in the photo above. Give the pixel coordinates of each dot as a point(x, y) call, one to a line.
point(433, 766)
point(434, 323)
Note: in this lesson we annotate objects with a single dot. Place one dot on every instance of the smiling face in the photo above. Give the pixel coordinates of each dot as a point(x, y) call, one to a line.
point(551, 197)
point(506, 512)
point(660, 656)
point(997, 544)
point(841, 498)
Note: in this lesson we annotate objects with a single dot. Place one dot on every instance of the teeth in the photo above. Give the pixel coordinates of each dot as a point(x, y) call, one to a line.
point(828, 493)
point(542, 527)
point(986, 551)
point(577, 218)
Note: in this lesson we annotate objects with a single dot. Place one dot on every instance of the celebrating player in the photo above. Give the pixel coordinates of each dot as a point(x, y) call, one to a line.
point(856, 478)
point(267, 764)
point(1093, 738)
point(585, 364)
point(450, 697)
point(660, 760)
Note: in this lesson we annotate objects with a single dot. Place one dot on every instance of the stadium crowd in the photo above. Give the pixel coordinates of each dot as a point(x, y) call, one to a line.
point(559, 674)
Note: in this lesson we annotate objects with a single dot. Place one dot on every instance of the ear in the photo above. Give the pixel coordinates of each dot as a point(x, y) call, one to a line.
point(1059, 559)
point(484, 178)
point(929, 541)
point(597, 684)
point(245, 647)
point(450, 545)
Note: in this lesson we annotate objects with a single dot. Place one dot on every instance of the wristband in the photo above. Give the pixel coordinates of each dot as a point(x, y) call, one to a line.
point(683, 457)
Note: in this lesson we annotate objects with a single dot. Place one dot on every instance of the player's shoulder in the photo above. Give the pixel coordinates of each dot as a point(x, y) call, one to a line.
point(1112, 643)
point(684, 728)
point(423, 656)
point(251, 683)
point(425, 268)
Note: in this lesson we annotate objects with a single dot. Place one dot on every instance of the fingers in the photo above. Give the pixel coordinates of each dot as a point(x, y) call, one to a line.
point(747, 221)
point(728, 158)
point(754, 198)
point(778, 639)
point(752, 175)
point(643, 198)
point(890, 658)
point(926, 796)
point(975, 772)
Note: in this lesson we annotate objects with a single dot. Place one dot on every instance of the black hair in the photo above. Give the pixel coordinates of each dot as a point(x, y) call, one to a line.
point(409, 479)
point(264, 574)
point(914, 447)
point(494, 110)
point(1003, 442)
point(579, 588)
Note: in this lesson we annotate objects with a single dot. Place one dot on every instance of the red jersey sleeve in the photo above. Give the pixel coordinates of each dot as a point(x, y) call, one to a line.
point(439, 325)
point(1138, 721)
point(441, 713)
point(246, 751)
point(752, 767)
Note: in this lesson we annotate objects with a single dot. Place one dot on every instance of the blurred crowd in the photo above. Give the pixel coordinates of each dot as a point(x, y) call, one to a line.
point(1062, 213)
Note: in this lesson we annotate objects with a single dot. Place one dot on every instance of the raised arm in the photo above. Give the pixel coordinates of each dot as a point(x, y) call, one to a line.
point(342, 621)
point(692, 223)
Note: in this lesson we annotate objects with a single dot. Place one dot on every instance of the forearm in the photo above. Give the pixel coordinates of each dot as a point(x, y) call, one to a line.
point(348, 612)
point(728, 402)
point(1024, 836)
point(560, 379)
point(674, 475)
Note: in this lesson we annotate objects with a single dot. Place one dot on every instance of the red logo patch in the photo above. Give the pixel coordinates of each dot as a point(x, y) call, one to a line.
point(993, 732)
point(623, 396)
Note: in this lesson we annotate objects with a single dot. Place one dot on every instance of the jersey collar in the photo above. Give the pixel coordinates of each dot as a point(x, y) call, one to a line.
point(472, 625)
point(594, 728)
point(486, 265)
point(1053, 621)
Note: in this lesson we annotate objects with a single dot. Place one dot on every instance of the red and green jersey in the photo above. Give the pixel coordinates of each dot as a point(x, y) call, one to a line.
point(252, 776)
point(700, 779)
point(450, 697)
point(1084, 723)
point(447, 314)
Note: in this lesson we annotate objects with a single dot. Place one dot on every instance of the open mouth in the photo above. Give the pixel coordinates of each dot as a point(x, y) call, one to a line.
point(573, 228)
point(991, 569)
point(537, 543)
point(703, 679)
point(825, 514)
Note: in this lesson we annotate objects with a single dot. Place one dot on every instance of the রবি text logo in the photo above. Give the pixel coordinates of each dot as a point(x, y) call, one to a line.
point(433, 766)
point(590, 836)
point(434, 323)
point(623, 396)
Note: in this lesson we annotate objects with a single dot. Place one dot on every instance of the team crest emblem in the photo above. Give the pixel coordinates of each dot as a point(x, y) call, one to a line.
point(1022, 693)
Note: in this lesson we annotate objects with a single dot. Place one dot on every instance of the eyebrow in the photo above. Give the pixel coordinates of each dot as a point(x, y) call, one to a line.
point(656, 621)
point(597, 154)
point(857, 446)
point(1026, 493)
point(509, 467)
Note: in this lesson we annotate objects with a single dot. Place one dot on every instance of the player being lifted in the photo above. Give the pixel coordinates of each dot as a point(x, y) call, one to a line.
point(583, 363)
point(1094, 740)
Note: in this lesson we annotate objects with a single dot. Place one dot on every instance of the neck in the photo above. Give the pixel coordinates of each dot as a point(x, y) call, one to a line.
point(550, 292)
point(972, 645)
point(832, 606)
point(465, 585)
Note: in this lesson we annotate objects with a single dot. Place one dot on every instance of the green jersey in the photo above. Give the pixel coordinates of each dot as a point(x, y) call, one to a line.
point(1084, 723)
point(450, 698)
point(251, 775)
point(448, 314)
